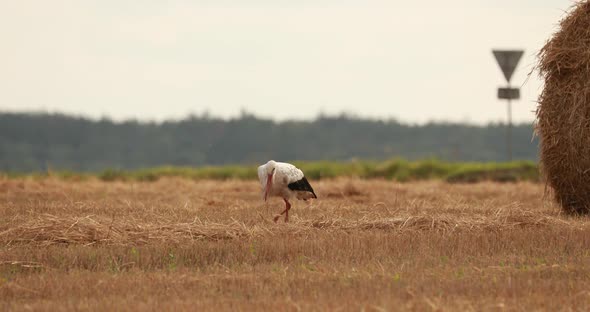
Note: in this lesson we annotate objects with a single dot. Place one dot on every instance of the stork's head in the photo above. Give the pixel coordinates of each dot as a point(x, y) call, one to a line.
point(269, 169)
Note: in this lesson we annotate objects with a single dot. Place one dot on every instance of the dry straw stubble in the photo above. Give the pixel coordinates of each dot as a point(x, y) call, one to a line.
point(373, 244)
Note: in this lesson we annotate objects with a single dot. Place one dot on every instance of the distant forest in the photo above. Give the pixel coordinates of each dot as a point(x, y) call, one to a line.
point(32, 142)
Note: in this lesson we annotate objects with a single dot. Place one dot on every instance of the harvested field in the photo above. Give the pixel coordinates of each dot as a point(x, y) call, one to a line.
point(178, 244)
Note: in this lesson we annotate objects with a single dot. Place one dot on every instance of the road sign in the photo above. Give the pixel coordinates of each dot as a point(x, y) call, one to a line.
point(508, 59)
point(509, 93)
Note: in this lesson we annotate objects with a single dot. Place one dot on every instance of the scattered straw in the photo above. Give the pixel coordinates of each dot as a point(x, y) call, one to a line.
point(48, 229)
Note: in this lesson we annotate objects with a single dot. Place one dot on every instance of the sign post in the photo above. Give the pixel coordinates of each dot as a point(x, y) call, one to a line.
point(508, 59)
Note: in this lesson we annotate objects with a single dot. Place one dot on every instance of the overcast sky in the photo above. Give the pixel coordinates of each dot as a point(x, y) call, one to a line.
point(153, 60)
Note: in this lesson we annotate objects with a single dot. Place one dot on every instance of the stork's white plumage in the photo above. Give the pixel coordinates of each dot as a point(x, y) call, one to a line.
point(286, 181)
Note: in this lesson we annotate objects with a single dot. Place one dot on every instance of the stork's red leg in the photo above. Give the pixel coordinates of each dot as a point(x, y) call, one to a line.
point(287, 207)
point(286, 211)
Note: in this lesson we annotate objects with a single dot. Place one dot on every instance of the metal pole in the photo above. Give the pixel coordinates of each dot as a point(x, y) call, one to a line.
point(509, 130)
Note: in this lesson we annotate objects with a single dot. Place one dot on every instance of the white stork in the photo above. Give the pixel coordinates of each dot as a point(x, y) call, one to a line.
point(286, 181)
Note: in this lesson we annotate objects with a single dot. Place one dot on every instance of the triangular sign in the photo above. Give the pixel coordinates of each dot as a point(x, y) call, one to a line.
point(508, 59)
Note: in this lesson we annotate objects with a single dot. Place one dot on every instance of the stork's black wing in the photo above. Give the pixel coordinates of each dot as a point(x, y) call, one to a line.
point(301, 185)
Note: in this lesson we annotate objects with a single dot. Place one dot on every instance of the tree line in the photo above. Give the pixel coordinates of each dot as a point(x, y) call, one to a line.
point(38, 141)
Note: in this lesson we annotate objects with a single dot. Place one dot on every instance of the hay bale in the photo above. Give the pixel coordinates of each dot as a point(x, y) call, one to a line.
point(563, 114)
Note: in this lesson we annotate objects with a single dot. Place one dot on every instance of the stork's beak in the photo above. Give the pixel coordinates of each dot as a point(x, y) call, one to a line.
point(268, 186)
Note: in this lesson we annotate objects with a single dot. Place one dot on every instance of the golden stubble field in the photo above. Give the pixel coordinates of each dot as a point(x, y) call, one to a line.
point(371, 245)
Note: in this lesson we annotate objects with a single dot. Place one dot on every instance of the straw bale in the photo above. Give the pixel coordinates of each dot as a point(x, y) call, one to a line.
point(563, 113)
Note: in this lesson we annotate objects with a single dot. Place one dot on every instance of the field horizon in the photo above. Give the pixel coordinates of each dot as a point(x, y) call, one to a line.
point(397, 169)
point(374, 245)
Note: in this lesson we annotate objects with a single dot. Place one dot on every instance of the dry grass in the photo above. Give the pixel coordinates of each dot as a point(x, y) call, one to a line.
point(563, 115)
point(176, 244)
